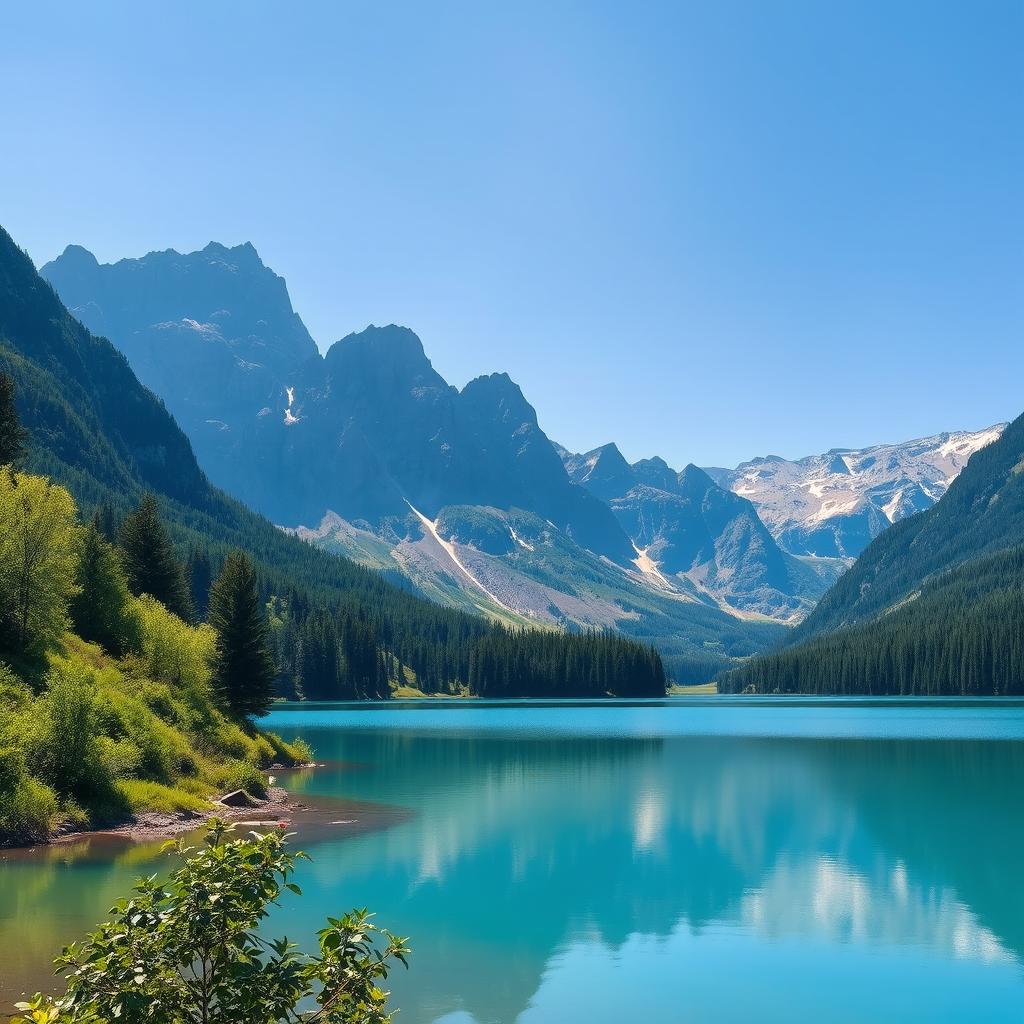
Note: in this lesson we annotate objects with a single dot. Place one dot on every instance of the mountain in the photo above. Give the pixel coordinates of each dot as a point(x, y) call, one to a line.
point(835, 504)
point(933, 605)
point(94, 428)
point(370, 453)
point(366, 431)
point(691, 534)
point(212, 332)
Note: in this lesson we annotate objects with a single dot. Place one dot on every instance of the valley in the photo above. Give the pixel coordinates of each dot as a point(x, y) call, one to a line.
point(366, 451)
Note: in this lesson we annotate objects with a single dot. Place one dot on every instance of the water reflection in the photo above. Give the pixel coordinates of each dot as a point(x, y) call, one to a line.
point(528, 853)
point(559, 874)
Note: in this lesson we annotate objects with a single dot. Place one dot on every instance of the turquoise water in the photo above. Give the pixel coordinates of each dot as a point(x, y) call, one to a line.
point(686, 860)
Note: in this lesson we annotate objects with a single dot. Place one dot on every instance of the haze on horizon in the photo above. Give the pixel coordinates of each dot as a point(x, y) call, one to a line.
point(707, 232)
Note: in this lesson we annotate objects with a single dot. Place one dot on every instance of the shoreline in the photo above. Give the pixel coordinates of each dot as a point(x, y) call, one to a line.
point(278, 806)
point(313, 818)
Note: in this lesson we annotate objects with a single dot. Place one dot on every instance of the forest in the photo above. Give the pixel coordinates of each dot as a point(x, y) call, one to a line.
point(961, 635)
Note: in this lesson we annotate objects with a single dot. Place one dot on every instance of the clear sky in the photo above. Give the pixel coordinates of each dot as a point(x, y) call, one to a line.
point(708, 231)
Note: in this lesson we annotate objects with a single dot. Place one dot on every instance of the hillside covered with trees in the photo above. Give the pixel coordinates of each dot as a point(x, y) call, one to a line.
point(935, 605)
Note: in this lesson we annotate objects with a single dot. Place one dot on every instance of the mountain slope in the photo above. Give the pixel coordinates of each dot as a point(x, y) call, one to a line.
point(685, 527)
point(935, 604)
point(359, 432)
point(836, 503)
point(517, 567)
point(94, 428)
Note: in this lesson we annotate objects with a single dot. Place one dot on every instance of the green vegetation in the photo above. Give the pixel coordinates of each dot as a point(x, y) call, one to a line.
point(186, 949)
point(243, 667)
point(12, 434)
point(37, 564)
point(583, 664)
point(149, 561)
point(92, 732)
point(337, 630)
point(934, 606)
point(961, 635)
point(102, 610)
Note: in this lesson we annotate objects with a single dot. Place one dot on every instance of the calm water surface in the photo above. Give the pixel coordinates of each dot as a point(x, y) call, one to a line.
point(685, 860)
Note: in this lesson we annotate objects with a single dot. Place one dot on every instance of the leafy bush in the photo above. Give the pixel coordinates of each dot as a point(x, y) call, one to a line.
point(172, 954)
point(243, 775)
point(172, 650)
point(64, 749)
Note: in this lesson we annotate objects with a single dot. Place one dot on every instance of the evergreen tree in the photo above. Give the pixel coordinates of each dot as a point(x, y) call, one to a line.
point(243, 671)
point(12, 434)
point(101, 610)
point(200, 577)
point(150, 563)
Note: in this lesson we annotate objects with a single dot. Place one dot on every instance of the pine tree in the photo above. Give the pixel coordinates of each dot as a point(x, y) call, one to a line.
point(149, 560)
point(200, 577)
point(243, 671)
point(12, 434)
point(100, 611)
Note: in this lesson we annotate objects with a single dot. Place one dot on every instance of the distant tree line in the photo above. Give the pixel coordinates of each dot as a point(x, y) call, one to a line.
point(550, 664)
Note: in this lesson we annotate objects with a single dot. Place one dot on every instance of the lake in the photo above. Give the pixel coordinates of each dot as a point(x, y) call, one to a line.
point(702, 859)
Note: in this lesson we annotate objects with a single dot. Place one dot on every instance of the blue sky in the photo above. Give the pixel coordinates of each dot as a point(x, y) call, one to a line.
point(707, 231)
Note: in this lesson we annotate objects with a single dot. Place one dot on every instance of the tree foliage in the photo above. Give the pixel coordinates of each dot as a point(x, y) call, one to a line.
point(103, 610)
point(961, 635)
point(243, 665)
point(171, 650)
point(187, 951)
point(12, 434)
point(149, 559)
point(38, 560)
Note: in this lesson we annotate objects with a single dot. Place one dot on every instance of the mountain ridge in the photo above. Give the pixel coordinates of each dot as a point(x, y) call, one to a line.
point(835, 503)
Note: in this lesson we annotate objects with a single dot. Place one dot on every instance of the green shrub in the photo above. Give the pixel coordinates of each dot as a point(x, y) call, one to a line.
point(173, 954)
point(28, 808)
point(244, 775)
point(65, 751)
point(172, 650)
point(28, 813)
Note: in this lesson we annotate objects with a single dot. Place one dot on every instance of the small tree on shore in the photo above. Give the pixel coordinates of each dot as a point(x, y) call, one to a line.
point(187, 951)
point(243, 666)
